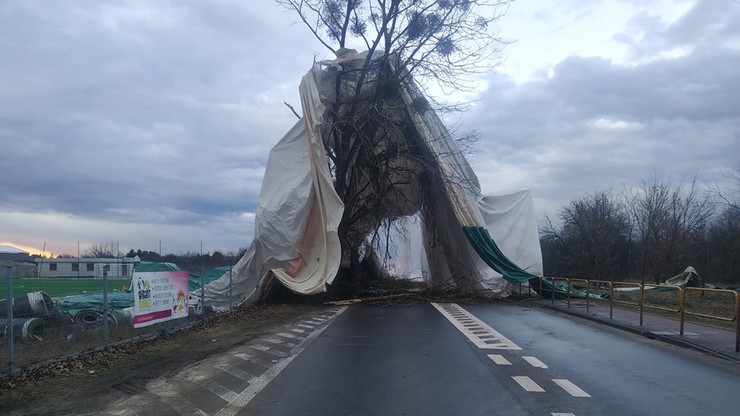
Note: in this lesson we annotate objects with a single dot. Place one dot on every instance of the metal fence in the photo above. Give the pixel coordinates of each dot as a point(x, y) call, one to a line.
point(37, 328)
point(671, 300)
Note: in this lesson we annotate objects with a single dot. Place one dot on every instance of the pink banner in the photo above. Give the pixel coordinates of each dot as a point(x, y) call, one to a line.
point(159, 297)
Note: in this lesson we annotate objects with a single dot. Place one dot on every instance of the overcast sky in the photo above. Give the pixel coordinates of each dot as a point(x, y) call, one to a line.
point(141, 121)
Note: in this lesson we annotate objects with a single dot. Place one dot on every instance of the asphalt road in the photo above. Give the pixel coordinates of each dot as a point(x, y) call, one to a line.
point(491, 360)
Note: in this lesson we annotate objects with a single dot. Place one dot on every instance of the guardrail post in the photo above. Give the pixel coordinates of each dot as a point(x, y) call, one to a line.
point(641, 303)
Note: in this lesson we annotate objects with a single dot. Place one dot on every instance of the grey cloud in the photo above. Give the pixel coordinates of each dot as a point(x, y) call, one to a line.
point(171, 106)
point(708, 24)
point(594, 124)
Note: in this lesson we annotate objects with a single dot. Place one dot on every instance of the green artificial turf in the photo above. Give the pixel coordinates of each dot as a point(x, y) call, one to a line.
point(60, 286)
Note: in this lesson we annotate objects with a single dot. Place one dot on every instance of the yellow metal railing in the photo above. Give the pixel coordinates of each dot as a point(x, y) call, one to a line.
point(735, 315)
point(682, 306)
point(645, 305)
point(597, 285)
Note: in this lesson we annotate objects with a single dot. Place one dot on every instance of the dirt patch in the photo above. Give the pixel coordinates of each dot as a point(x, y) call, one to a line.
point(81, 385)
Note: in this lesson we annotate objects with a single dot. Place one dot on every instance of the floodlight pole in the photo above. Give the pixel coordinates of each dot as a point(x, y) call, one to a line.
point(202, 284)
point(105, 305)
point(10, 337)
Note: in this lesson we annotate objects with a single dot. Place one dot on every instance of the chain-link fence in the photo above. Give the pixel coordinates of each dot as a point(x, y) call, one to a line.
point(75, 316)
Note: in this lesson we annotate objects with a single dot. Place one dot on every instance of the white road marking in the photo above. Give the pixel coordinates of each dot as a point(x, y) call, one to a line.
point(261, 347)
point(177, 402)
point(563, 414)
point(238, 373)
point(534, 362)
point(300, 331)
point(528, 384)
point(306, 326)
point(243, 398)
point(490, 339)
point(219, 390)
point(287, 335)
point(499, 359)
point(254, 359)
point(571, 388)
point(282, 341)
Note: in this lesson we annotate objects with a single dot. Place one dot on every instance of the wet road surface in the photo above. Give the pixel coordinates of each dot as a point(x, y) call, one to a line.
point(444, 359)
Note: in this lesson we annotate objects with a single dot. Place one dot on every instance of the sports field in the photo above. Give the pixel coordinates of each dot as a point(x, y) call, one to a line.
point(60, 286)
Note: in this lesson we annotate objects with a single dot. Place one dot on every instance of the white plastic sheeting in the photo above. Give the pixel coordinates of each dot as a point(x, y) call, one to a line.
point(511, 220)
point(295, 238)
point(296, 221)
point(508, 216)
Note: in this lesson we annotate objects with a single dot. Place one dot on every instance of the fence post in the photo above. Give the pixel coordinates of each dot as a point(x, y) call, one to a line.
point(10, 336)
point(588, 293)
point(202, 293)
point(681, 307)
point(611, 300)
point(552, 289)
point(541, 294)
point(105, 305)
point(567, 282)
point(737, 322)
point(231, 268)
point(642, 301)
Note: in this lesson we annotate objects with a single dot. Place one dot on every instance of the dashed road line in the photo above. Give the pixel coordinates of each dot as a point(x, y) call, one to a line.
point(528, 384)
point(477, 331)
point(499, 359)
point(485, 337)
point(571, 388)
point(534, 362)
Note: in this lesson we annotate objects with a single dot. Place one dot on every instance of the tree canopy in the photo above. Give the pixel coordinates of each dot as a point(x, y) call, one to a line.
point(444, 41)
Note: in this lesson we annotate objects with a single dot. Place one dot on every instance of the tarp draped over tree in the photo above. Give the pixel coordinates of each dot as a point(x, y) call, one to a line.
point(468, 240)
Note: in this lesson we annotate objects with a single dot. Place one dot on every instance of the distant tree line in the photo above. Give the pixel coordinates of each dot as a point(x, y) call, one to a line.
point(187, 261)
point(647, 234)
point(191, 260)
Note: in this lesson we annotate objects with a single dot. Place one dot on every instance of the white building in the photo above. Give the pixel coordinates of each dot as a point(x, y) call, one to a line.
point(122, 267)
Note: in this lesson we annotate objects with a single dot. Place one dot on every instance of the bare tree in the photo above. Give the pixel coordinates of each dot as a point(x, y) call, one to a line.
point(731, 197)
point(105, 249)
point(594, 239)
point(380, 170)
point(670, 221)
point(723, 243)
point(723, 237)
point(439, 40)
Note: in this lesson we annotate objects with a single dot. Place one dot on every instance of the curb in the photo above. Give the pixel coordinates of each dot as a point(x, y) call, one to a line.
point(645, 333)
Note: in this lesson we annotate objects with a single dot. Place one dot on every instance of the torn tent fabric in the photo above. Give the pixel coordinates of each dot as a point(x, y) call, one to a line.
point(475, 242)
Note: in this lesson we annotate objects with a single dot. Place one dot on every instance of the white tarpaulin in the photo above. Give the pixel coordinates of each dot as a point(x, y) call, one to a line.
point(295, 238)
